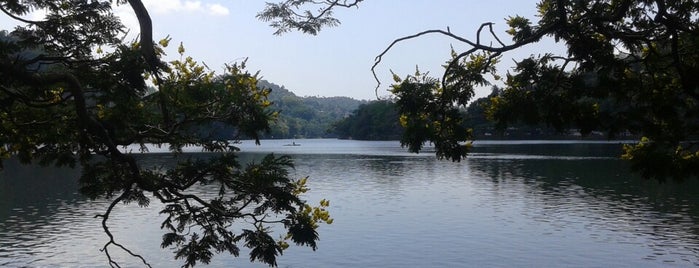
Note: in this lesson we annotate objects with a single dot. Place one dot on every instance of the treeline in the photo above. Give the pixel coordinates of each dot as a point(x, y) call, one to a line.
point(347, 118)
point(376, 120)
point(379, 120)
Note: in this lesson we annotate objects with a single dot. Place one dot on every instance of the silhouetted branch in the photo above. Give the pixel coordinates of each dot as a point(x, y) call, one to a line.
point(111, 241)
point(476, 45)
point(288, 15)
point(147, 48)
point(18, 18)
point(331, 5)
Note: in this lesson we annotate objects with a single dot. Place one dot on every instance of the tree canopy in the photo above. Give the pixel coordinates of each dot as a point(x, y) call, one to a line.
point(628, 66)
point(72, 92)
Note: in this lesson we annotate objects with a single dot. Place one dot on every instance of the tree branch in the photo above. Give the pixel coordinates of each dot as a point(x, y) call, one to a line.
point(332, 4)
point(111, 241)
point(146, 27)
point(476, 45)
point(18, 18)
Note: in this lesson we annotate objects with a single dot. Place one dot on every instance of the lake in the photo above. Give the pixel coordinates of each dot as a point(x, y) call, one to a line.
point(510, 204)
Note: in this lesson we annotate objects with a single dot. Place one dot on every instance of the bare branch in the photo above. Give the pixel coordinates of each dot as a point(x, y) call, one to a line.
point(111, 241)
point(490, 28)
point(378, 58)
point(476, 45)
point(331, 5)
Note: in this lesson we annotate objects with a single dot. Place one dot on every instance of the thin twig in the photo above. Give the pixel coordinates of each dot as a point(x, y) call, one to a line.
point(111, 241)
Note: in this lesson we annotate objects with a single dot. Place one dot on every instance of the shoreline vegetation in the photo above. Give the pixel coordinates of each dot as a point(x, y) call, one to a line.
point(347, 118)
point(284, 145)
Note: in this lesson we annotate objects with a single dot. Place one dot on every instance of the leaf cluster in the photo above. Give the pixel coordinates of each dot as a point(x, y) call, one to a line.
point(296, 15)
point(428, 114)
point(74, 93)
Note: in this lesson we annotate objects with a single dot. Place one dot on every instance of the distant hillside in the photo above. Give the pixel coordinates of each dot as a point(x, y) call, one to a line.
point(306, 117)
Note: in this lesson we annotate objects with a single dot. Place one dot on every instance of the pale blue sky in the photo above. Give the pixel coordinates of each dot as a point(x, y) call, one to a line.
point(337, 62)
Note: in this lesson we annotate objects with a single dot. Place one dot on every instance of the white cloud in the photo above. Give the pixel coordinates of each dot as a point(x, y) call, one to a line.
point(217, 9)
point(174, 6)
point(189, 5)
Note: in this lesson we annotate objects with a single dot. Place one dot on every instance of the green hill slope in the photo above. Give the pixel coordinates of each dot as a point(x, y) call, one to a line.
point(306, 117)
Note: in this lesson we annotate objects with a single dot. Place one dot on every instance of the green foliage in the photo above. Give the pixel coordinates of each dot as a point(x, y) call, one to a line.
point(432, 111)
point(542, 92)
point(630, 66)
point(479, 118)
point(666, 161)
point(427, 114)
point(253, 192)
point(520, 28)
point(73, 93)
point(295, 15)
point(376, 120)
point(633, 72)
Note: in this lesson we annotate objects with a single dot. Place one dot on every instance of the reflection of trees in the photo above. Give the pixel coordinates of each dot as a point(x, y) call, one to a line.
point(389, 167)
point(383, 175)
point(553, 149)
point(36, 186)
point(602, 193)
point(379, 169)
point(39, 205)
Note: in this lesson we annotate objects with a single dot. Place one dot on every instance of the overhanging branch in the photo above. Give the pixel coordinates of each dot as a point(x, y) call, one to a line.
point(536, 36)
point(18, 18)
point(111, 241)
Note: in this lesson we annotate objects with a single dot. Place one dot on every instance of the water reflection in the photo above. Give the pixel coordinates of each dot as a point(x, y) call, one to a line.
point(33, 203)
point(614, 205)
point(524, 205)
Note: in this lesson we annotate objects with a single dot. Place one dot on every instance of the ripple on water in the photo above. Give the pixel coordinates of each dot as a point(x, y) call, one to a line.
point(415, 211)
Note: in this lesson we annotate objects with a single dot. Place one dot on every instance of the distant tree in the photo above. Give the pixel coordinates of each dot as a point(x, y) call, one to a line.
point(376, 120)
point(73, 93)
point(480, 121)
point(476, 112)
point(629, 65)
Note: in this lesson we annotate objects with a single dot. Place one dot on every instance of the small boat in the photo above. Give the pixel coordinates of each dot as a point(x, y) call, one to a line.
point(292, 144)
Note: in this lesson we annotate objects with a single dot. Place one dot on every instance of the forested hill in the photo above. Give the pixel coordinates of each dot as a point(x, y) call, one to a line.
point(306, 117)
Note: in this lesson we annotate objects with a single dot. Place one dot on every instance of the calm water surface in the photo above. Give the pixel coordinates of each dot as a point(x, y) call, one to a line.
point(511, 204)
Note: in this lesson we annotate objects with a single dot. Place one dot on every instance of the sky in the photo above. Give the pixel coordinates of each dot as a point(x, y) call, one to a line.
point(338, 60)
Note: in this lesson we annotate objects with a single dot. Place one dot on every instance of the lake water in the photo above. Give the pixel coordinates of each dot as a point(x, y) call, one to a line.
point(510, 204)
